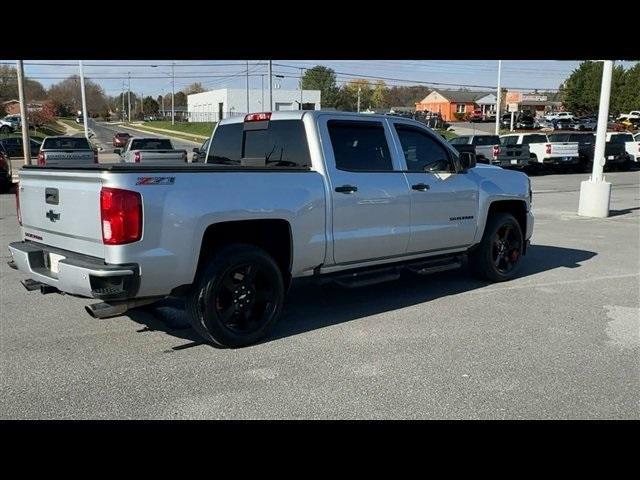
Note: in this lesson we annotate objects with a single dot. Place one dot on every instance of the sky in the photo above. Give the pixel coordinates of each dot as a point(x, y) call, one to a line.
point(154, 77)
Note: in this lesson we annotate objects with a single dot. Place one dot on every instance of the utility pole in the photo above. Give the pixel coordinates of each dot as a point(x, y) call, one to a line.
point(262, 79)
point(26, 143)
point(499, 98)
point(142, 105)
point(247, 86)
point(84, 101)
point(301, 88)
point(129, 98)
point(358, 99)
point(595, 193)
point(122, 112)
point(270, 87)
point(173, 92)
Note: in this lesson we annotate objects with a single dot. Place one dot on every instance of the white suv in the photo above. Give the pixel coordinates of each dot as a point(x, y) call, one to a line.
point(553, 116)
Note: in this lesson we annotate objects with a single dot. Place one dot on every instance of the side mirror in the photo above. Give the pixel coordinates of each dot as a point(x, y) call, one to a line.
point(468, 160)
point(117, 151)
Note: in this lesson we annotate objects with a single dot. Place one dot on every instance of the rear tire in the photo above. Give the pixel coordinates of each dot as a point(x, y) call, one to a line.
point(237, 296)
point(4, 129)
point(498, 256)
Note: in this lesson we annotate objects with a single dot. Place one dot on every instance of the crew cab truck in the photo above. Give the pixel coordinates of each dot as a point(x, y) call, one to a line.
point(489, 150)
point(543, 152)
point(614, 152)
point(631, 146)
point(341, 197)
point(150, 150)
point(66, 150)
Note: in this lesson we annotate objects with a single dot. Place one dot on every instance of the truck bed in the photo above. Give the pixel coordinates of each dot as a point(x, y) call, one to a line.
point(138, 167)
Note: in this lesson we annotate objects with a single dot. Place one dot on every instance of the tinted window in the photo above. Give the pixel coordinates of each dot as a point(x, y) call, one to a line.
point(282, 144)
point(621, 138)
point(151, 144)
point(422, 152)
point(559, 137)
point(581, 139)
point(459, 141)
point(66, 143)
point(486, 140)
point(359, 145)
point(527, 139)
point(509, 140)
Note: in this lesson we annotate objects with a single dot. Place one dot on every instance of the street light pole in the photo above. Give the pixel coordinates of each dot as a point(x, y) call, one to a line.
point(129, 98)
point(122, 112)
point(26, 143)
point(301, 88)
point(262, 79)
point(270, 87)
point(173, 92)
point(248, 86)
point(84, 101)
point(358, 99)
point(499, 98)
point(595, 193)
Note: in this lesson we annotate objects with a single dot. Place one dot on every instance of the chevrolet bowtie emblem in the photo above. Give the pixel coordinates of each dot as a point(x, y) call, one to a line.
point(51, 215)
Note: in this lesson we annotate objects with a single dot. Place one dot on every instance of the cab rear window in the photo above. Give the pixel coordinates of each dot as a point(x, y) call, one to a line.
point(66, 143)
point(282, 144)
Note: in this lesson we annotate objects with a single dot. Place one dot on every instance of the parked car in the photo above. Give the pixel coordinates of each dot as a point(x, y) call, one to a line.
point(149, 118)
point(13, 146)
point(150, 150)
point(66, 150)
point(5, 171)
point(476, 116)
point(488, 149)
point(14, 120)
point(79, 119)
point(525, 122)
point(632, 146)
point(505, 120)
point(615, 154)
point(584, 124)
point(318, 196)
point(544, 152)
point(562, 123)
point(559, 115)
point(120, 139)
point(199, 154)
point(633, 114)
point(6, 126)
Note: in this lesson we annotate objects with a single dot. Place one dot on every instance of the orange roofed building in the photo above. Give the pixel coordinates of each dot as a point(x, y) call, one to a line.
point(449, 102)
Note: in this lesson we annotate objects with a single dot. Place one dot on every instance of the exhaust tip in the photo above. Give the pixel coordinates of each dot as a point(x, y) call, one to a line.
point(90, 311)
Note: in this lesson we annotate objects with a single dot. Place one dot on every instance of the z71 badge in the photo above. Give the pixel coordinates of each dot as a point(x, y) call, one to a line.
point(156, 180)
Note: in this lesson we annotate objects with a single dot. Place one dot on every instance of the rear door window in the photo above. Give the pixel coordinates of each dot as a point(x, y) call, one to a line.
point(459, 141)
point(66, 143)
point(360, 146)
point(527, 139)
point(486, 140)
point(509, 140)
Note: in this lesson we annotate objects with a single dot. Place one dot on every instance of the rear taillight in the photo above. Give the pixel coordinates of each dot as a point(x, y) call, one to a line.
point(41, 160)
point(496, 151)
point(18, 204)
point(121, 214)
point(95, 156)
point(136, 157)
point(548, 148)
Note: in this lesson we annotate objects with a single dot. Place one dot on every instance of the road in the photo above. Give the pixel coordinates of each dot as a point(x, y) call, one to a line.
point(559, 342)
point(104, 132)
point(474, 128)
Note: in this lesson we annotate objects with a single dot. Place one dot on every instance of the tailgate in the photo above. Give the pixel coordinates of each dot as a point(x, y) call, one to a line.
point(162, 156)
point(514, 152)
point(564, 149)
point(62, 209)
point(68, 157)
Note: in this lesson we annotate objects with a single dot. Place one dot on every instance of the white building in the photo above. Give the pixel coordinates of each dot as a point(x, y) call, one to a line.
point(216, 104)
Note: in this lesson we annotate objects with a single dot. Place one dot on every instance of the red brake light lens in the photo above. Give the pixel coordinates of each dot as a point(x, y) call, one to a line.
point(548, 148)
point(258, 117)
point(496, 151)
point(136, 157)
point(41, 160)
point(121, 214)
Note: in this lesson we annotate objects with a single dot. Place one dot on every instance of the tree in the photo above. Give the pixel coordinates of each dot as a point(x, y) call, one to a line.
point(150, 105)
point(347, 98)
point(67, 97)
point(630, 90)
point(179, 99)
point(323, 79)
point(194, 88)
point(581, 91)
point(378, 94)
point(33, 90)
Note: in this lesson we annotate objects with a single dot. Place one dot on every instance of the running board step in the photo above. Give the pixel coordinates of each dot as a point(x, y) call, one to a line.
point(434, 266)
point(366, 278)
point(31, 285)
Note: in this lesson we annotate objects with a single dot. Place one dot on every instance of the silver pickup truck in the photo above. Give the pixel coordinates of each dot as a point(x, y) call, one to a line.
point(341, 197)
point(66, 150)
point(151, 150)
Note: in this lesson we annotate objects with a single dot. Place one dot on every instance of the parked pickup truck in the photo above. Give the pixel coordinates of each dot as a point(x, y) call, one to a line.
point(632, 146)
point(489, 150)
point(542, 151)
point(614, 152)
point(150, 150)
point(66, 150)
point(341, 197)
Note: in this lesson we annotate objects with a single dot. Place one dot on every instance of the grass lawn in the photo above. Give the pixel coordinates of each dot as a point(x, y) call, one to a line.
point(182, 136)
point(72, 123)
point(204, 128)
point(39, 134)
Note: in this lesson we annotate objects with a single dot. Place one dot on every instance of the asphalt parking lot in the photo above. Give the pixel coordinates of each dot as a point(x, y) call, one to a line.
point(562, 341)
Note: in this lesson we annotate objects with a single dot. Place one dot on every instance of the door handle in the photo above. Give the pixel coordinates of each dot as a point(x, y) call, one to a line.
point(347, 189)
point(421, 187)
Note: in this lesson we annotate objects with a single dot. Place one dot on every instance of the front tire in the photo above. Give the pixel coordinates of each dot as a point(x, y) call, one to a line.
point(498, 256)
point(237, 296)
